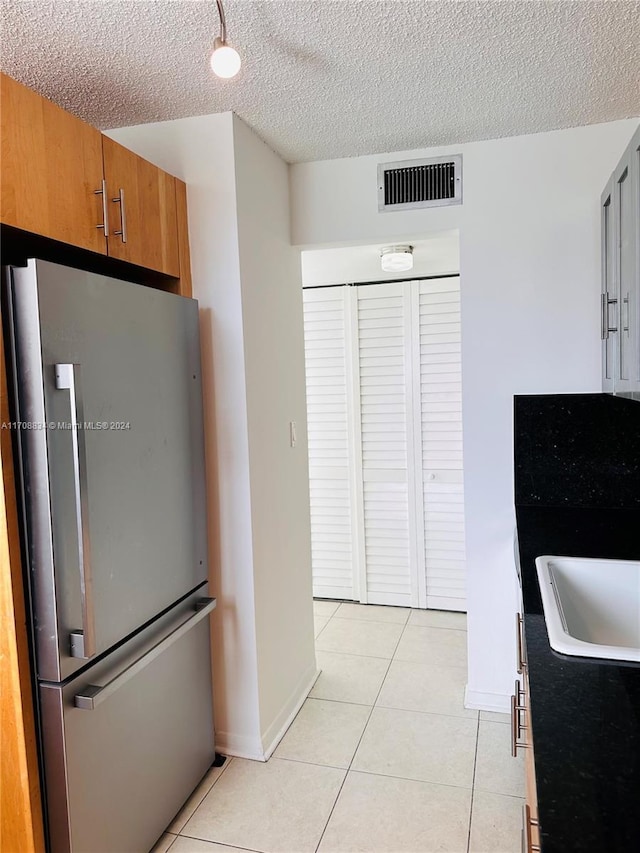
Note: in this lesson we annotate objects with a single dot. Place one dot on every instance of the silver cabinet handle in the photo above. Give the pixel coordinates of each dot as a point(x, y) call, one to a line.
point(604, 320)
point(520, 643)
point(92, 696)
point(607, 322)
point(105, 208)
point(527, 841)
point(83, 643)
point(122, 233)
point(517, 726)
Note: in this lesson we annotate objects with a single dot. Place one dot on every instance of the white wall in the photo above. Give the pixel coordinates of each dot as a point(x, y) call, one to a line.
point(249, 704)
point(275, 379)
point(529, 242)
point(438, 255)
point(335, 202)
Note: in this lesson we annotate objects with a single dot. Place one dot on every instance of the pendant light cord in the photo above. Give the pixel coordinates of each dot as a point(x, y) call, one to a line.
point(223, 23)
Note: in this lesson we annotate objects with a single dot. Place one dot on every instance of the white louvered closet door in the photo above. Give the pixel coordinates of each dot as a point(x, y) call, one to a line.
point(441, 429)
point(384, 403)
point(383, 318)
point(329, 475)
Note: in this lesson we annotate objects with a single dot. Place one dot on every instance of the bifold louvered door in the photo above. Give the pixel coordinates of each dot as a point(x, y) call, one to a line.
point(382, 363)
point(329, 484)
point(385, 442)
point(441, 439)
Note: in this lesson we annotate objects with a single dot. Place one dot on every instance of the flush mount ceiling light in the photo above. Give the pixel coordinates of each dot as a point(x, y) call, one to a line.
point(225, 60)
point(396, 258)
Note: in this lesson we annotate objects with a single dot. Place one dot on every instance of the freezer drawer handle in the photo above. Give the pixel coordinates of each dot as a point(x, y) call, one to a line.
point(82, 643)
point(92, 695)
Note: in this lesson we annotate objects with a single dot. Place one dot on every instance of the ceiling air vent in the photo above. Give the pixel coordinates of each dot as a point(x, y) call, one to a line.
point(414, 184)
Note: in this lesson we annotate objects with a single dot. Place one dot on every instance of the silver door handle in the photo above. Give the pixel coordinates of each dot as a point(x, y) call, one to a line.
point(527, 841)
point(517, 725)
point(105, 208)
point(604, 321)
point(83, 643)
point(122, 233)
point(607, 327)
point(92, 695)
point(520, 643)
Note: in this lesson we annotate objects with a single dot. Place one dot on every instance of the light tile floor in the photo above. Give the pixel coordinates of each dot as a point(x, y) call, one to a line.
point(383, 757)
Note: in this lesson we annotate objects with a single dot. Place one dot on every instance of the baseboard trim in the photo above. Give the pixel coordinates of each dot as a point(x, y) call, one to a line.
point(477, 700)
point(276, 731)
point(239, 746)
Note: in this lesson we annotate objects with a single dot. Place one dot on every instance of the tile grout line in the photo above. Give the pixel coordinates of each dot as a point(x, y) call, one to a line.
point(175, 838)
point(225, 767)
point(214, 844)
point(396, 622)
point(335, 802)
point(392, 707)
point(413, 779)
point(384, 622)
point(473, 784)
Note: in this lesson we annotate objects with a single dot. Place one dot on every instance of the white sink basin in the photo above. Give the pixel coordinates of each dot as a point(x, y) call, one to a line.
point(591, 606)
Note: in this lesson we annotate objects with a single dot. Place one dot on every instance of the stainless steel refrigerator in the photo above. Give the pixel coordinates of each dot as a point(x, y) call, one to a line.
point(109, 433)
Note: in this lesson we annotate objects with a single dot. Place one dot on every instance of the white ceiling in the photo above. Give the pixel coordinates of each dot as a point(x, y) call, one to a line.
point(336, 78)
point(436, 255)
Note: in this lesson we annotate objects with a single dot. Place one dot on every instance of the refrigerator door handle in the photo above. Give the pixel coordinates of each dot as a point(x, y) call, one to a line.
point(82, 643)
point(92, 695)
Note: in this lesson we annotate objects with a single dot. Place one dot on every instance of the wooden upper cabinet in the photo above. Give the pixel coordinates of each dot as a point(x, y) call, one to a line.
point(143, 219)
point(50, 169)
point(63, 179)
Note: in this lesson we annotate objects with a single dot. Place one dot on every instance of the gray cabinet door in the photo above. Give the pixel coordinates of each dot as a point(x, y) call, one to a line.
point(609, 298)
point(620, 296)
point(634, 156)
point(116, 508)
point(625, 263)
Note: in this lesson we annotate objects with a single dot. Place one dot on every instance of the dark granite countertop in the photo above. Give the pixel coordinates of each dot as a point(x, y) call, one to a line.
point(585, 713)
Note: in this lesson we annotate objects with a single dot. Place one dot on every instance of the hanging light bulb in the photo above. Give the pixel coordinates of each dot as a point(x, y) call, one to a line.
point(225, 60)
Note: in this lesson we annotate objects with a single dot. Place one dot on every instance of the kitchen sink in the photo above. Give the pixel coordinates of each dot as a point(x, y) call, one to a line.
point(591, 606)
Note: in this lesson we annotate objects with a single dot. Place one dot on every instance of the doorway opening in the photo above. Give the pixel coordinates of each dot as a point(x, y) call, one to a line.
point(384, 408)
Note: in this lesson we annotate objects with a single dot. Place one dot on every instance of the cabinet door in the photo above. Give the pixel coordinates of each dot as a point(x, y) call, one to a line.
point(51, 170)
point(625, 262)
point(635, 178)
point(609, 301)
point(142, 210)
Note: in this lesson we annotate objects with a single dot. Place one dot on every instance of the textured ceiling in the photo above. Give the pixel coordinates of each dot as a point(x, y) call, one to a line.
point(335, 78)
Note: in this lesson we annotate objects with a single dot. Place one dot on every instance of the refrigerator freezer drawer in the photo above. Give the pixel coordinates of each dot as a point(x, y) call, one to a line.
point(126, 742)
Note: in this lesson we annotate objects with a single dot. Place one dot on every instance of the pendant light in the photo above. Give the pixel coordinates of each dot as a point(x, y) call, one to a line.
point(225, 60)
point(396, 258)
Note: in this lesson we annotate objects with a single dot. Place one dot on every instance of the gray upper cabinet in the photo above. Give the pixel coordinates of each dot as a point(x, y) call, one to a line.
point(609, 301)
point(620, 296)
